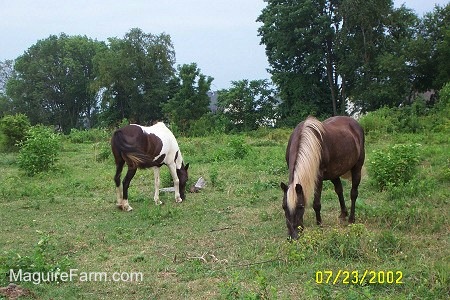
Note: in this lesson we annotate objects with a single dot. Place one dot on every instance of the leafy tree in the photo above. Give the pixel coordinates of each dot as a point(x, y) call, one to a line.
point(297, 36)
point(376, 61)
point(323, 53)
point(432, 50)
point(248, 104)
point(51, 84)
point(6, 72)
point(133, 76)
point(190, 101)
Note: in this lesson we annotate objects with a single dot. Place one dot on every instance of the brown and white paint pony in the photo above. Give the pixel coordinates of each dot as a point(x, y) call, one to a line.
point(147, 147)
point(319, 151)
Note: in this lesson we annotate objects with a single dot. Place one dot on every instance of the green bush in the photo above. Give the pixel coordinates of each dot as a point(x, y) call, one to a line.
point(394, 166)
point(88, 136)
point(14, 128)
point(239, 148)
point(39, 151)
point(102, 151)
point(207, 125)
point(381, 120)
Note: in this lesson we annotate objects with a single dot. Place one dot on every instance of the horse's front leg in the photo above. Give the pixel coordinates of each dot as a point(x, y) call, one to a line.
point(157, 183)
point(176, 182)
point(316, 204)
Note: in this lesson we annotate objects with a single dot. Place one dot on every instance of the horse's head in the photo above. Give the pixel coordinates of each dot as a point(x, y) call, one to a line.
point(182, 174)
point(293, 209)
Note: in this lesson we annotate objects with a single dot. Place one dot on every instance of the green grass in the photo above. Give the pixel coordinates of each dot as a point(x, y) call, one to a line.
point(229, 240)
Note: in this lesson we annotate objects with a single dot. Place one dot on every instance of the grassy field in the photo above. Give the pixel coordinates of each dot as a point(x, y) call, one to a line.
point(229, 240)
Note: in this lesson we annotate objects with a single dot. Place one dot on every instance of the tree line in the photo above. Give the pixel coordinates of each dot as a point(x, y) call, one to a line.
point(323, 55)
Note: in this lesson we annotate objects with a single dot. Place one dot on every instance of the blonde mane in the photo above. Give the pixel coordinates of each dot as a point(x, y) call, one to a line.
point(306, 167)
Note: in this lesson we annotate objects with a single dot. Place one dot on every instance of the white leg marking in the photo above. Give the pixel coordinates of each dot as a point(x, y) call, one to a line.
point(126, 206)
point(119, 196)
point(157, 183)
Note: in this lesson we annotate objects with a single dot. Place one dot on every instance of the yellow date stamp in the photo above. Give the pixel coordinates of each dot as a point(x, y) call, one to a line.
point(359, 277)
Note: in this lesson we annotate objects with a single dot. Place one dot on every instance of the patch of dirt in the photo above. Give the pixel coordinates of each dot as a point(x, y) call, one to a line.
point(13, 291)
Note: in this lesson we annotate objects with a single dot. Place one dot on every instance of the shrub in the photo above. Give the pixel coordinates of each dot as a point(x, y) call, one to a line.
point(14, 128)
point(88, 136)
point(239, 148)
point(207, 125)
point(381, 120)
point(39, 151)
point(394, 166)
point(102, 151)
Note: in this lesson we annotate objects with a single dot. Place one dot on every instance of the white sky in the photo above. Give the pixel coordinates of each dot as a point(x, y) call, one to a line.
point(220, 36)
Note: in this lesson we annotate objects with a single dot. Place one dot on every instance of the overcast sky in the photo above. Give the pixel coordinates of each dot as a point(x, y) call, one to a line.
point(220, 36)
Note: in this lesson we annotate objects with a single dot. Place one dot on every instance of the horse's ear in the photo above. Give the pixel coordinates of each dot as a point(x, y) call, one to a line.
point(298, 188)
point(283, 186)
point(186, 166)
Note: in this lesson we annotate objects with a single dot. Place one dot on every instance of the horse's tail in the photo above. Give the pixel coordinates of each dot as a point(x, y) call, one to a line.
point(132, 155)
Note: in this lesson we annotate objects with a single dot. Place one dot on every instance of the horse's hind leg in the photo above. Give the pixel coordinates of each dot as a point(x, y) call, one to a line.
point(119, 168)
point(126, 185)
point(356, 179)
point(340, 193)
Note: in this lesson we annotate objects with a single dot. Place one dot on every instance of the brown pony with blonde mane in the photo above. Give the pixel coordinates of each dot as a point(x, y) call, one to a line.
point(319, 151)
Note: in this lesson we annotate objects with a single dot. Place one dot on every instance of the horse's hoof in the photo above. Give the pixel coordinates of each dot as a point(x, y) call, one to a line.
point(158, 202)
point(127, 208)
point(179, 200)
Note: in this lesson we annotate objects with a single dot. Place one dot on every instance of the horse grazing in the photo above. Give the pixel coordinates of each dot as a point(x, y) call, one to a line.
point(147, 147)
point(319, 151)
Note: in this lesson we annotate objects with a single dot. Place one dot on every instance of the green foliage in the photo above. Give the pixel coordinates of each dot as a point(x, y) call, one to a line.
point(379, 121)
point(208, 125)
point(88, 136)
point(44, 258)
point(52, 81)
point(191, 101)
point(39, 151)
point(376, 57)
point(353, 243)
point(394, 166)
point(239, 148)
point(102, 151)
point(248, 105)
point(414, 118)
point(233, 289)
point(133, 75)
point(15, 128)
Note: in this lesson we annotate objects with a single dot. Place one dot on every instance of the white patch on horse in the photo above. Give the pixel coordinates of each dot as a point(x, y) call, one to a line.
point(119, 195)
point(170, 148)
point(126, 206)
